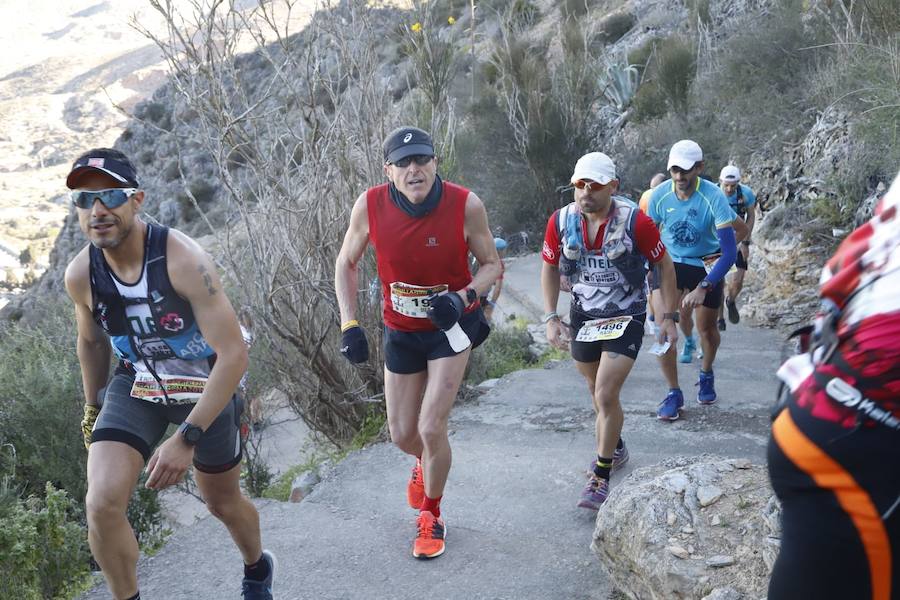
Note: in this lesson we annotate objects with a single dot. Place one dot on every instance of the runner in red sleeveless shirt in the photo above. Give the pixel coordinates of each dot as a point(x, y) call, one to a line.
point(835, 446)
point(422, 229)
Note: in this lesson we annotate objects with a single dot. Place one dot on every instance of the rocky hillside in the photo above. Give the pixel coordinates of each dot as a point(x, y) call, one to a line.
point(792, 168)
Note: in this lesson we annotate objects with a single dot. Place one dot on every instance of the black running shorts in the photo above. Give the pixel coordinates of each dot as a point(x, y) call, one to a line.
point(689, 276)
point(628, 345)
point(141, 424)
point(408, 352)
point(839, 490)
point(740, 263)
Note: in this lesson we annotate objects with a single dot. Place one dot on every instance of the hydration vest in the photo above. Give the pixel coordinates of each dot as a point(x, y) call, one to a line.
point(619, 249)
point(173, 331)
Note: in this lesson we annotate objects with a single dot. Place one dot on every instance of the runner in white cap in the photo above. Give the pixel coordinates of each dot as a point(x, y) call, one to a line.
point(615, 242)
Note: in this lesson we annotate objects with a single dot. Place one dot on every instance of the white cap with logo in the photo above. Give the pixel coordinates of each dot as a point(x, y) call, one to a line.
point(594, 166)
point(730, 174)
point(685, 154)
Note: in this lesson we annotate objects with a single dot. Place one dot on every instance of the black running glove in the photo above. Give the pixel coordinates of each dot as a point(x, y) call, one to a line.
point(354, 345)
point(446, 310)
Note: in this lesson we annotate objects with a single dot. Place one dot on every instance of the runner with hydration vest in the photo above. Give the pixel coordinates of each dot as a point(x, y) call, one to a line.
point(599, 248)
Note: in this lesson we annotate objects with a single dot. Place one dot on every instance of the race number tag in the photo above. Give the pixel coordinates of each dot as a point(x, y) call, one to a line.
point(181, 389)
point(413, 300)
point(600, 330)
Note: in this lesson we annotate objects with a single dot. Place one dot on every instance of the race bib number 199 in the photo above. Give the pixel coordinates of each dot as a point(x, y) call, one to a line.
point(603, 329)
point(413, 300)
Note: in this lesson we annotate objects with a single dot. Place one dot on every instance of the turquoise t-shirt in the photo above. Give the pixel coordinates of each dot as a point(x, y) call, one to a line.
point(688, 227)
point(748, 199)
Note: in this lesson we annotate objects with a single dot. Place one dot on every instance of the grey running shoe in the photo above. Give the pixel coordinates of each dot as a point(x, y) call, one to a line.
point(260, 590)
point(733, 315)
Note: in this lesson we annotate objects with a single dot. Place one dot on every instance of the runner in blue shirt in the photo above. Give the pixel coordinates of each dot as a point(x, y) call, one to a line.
point(695, 222)
point(743, 202)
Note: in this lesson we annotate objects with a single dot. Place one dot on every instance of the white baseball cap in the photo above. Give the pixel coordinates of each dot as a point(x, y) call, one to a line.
point(685, 154)
point(594, 166)
point(730, 174)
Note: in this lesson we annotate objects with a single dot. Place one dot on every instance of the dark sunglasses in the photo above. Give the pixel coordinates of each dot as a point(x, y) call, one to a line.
point(111, 198)
point(421, 160)
point(679, 170)
point(590, 186)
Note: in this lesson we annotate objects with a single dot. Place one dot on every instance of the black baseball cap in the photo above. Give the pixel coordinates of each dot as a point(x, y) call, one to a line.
point(105, 160)
point(406, 141)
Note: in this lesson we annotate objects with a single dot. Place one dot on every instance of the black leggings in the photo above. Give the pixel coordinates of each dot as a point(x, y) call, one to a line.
point(836, 487)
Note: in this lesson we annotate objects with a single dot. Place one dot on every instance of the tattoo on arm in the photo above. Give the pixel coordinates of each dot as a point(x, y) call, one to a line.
point(207, 280)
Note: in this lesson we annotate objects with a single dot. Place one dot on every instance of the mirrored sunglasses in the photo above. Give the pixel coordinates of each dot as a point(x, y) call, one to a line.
point(111, 198)
point(421, 160)
point(590, 186)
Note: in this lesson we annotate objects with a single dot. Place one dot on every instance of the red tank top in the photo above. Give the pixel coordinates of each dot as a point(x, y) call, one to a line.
point(417, 257)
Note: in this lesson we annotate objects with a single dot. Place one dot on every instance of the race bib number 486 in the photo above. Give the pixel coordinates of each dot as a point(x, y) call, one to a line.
point(413, 300)
point(600, 330)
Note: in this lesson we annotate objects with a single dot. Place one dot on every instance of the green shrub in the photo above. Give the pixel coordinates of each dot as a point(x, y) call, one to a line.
point(614, 26)
point(668, 68)
point(146, 518)
point(649, 103)
point(525, 13)
point(41, 398)
point(640, 56)
point(573, 9)
point(505, 351)
point(43, 547)
point(675, 71)
point(699, 12)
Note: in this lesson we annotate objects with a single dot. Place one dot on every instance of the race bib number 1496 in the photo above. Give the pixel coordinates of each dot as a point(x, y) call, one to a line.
point(603, 329)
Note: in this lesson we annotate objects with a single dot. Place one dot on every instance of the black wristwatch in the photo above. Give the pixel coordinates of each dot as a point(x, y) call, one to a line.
point(190, 433)
point(471, 295)
point(704, 285)
point(672, 315)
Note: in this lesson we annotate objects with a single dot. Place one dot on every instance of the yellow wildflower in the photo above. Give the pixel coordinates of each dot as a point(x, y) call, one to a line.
point(451, 20)
point(417, 27)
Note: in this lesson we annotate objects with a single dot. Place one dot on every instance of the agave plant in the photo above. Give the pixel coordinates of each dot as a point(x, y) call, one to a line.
point(621, 84)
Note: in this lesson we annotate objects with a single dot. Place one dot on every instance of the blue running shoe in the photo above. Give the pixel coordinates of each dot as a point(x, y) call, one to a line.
point(260, 590)
point(669, 408)
point(687, 350)
point(707, 392)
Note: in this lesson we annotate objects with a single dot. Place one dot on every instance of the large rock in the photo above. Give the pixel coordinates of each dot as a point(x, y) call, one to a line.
point(690, 528)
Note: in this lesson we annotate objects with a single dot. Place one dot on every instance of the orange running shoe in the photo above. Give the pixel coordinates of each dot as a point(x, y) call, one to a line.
point(430, 538)
point(415, 489)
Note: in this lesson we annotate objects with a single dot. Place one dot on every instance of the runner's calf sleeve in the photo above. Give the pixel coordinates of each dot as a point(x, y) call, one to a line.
point(729, 255)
